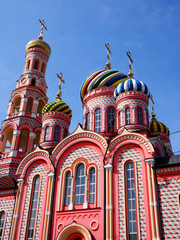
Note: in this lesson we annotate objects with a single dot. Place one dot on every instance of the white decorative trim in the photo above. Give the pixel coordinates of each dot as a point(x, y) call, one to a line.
point(33, 115)
point(32, 135)
point(85, 205)
point(150, 161)
point(109, 207)
point(51, 175)
point(108, 166)
point(13, 153)
point(16, 132)
point(71, 206)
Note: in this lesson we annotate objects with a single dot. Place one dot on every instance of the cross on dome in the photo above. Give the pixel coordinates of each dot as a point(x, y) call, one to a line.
point(59, 94)
point(130, 74)
point(108, 64)
point(42, 28)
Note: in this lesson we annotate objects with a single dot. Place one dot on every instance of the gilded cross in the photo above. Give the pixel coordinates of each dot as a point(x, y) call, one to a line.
point(130, 62)
point(108, 53)
point(60, 82)
point(42, 28)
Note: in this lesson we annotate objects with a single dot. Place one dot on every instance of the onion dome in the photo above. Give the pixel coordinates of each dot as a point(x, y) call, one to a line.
point(38, 43)
point(131, 85)
point(57, 106)
point(158, 127)
point(100, 79)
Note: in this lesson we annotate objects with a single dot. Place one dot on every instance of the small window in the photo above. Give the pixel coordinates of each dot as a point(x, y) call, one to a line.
point(88, 121)
point(119, 117)
point(43, 68)
point(2, 218)
point(98, 120)
point(92, 186)
point(16, 105)
point(67, 189)
point(56, 133)
point(80, 185)
point(46, 133)
point(139, 115)
point(40, 107)
point(28, 64)
point(37, 139)
point(128, 116)
point(33, 82)
point(33, 210)
point(111, 119)
point(65, 132)
point(36, 64)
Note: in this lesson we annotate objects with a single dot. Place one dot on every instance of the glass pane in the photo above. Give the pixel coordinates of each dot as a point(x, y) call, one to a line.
point(80, 185)
point(111, 119)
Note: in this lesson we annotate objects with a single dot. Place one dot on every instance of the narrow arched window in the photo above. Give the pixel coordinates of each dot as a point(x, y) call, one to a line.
point(98, 120)
point(33, 82)
point(29, 105)
point(2, 218)
point(119, 118)
point(56, 133)
point(33, 208)
point(23, 140)
point(139, 115)
point(80, 185)
point(43, 68)
point(46, 133)
point(36, 64)
point(131, 201)
point(92, 185)
point(111, 119)
point(28, 64)
point(67, 194)
point(37, 139)
point(88, 121)
point(128, 116)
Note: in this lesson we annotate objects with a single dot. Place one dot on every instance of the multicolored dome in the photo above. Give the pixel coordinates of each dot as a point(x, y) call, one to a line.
point(100, 79)
point(57, 106)
point(158, 127)
point(131, 85)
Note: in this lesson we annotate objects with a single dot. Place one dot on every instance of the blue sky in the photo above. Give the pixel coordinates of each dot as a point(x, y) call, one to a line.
point(77, 32)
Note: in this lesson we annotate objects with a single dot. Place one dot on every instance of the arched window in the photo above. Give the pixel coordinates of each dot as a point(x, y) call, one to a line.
point(46, 133)
point(111, 119)
point(33, 208)
point(80, 185)
point(139, 115)
point(36, 64)
point(98, 120)
point(40, 107)
point(131, 202)
point(16, 105)
point(67, 189)
point(23, 140)
point(92, 185)
point(2, 218)
point(28, 64)
point(56, 133)
point(29, 105)
point(7, 140)
point(87, 121)
point(128, 116)
point(43, 68)
point(119, 118)
point(37, 139)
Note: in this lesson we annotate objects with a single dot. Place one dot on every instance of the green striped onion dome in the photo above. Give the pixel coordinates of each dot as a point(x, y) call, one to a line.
point(158, 127)
point(57, 106)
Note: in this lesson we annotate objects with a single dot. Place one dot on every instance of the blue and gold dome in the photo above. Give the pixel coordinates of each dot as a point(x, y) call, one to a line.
point(100, 79)
point(57, 106)
point(131, 85)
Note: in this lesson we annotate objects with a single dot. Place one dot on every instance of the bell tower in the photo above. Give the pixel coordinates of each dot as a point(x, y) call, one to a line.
point(21, 129)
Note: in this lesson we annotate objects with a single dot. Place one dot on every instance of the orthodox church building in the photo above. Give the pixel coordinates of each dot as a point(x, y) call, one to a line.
point(115, 177)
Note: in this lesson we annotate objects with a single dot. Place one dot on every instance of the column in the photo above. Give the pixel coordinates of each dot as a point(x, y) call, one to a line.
point(13, 151)
point(34, 108)
point(23, 106)
point(32, 136)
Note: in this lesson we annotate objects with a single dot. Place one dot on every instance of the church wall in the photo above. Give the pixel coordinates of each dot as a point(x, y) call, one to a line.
point(168, 180)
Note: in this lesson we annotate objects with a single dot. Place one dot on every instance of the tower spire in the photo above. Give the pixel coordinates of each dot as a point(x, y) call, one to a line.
point(108, 64)
point(130, 74)
point(59, 94)
point(42, 28)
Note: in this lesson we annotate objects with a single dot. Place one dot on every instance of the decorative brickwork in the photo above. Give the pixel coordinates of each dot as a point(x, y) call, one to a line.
point(133, 103)
point(169, 189)
point(7, 205)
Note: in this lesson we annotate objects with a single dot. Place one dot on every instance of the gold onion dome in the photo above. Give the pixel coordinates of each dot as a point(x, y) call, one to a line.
point(57, 106)
point(38, 43)
point(158, 127)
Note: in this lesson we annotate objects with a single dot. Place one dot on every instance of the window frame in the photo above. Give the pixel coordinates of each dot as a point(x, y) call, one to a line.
point(80, 179)
point(97, 126)
point(128, 115)
point(56, 138)
point(87, 121)
point(111, 128)
point(94, 183)
point(36, 60)
point(3, 225)
point(46, 136)
point(69, 186)
point(138, 118)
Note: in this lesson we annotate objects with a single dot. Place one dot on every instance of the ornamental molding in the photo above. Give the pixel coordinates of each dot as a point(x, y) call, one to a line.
point(79, 133)
point(126, 135)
